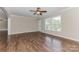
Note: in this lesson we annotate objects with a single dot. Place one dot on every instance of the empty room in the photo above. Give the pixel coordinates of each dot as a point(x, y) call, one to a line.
point(42, 29)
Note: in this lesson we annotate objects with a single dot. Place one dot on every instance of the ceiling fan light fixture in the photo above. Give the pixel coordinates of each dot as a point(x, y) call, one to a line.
point(38, 13)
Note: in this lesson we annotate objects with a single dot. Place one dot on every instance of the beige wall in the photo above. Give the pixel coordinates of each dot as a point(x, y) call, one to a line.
point(21, 24)
point(70, 24)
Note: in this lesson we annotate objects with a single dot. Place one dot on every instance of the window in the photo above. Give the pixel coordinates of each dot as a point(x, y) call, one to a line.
point(53, 24)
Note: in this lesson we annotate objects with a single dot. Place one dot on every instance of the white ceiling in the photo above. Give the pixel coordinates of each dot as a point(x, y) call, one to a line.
point(24, 11)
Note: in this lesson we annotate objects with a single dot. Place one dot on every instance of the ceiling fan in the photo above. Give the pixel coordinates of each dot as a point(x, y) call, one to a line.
point(38, 11)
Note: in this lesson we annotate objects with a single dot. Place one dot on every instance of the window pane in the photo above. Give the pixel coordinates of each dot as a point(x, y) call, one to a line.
point(53, 24)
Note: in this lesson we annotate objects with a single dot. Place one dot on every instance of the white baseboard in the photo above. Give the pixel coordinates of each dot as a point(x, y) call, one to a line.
point(3, 29)
point(21, 32)
point(63, 36)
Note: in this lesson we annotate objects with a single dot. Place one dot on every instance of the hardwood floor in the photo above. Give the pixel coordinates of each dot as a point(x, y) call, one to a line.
point(40, 42)
point(3, 41)
point(36, 42)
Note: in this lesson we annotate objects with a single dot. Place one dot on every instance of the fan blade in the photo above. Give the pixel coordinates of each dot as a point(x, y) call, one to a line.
point(43, 11)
